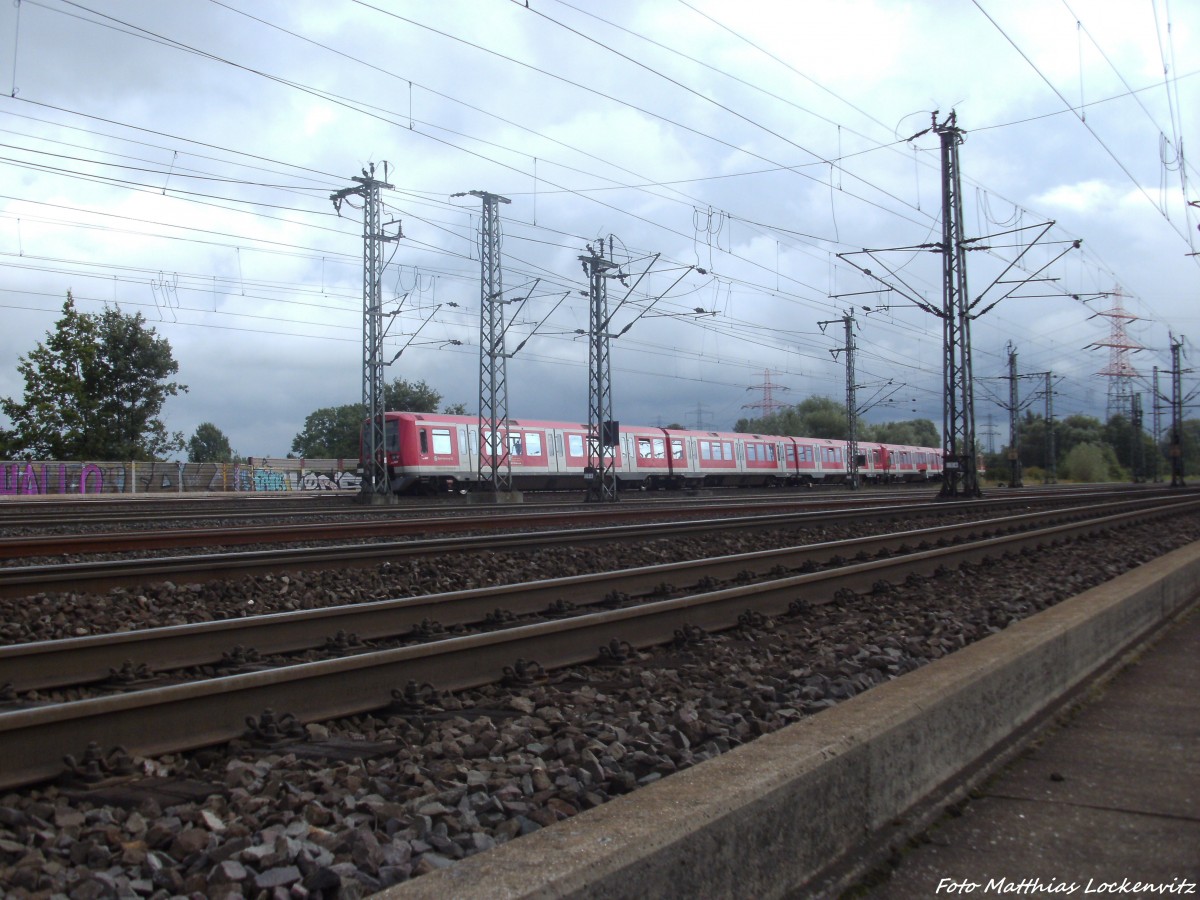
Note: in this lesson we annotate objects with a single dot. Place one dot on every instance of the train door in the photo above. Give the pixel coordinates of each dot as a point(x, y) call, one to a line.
point(471, 457)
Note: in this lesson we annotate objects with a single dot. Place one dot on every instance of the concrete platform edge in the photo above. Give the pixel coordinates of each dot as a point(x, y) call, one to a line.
point(770, 817)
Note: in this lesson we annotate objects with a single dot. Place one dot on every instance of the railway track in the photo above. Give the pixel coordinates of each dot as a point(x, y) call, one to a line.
point(70, 513)
point(188, 716)
point(55, 664)
point(220, 513)
point(100, 575)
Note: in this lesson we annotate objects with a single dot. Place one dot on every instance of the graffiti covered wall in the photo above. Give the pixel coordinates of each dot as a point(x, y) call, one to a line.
point(255, 474)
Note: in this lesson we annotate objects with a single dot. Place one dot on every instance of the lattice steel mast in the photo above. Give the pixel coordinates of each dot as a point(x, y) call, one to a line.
point(960, 475)
point(1156, 418)
point(602, 429)
point(851, 398)
point(1136, 446)
point(768, 406)
point(495, 461)
point(1014, 421)
point(1176, 450)
point(374, 467)
point(1119, 371)
point(1051, 450)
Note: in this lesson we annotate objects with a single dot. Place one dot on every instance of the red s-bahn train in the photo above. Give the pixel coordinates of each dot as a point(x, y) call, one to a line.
point(427, 452)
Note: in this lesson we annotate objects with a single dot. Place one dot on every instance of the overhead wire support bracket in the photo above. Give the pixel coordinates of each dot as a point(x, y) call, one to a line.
point(537, 328)
point(910, 293)
point(413, 336)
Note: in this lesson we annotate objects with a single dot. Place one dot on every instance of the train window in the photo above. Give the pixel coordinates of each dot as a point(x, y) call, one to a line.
point(660, 448)
point(676, 448)
point(575, 445)
point(424, 441)
point(533, 444)
point(751, 453)
point(514, 444)
point(791, 452)
point(643, 447)
point(875, 458)
point(770, 448)
point(391, 436)
point(441, 441)
point(705, 450)
point(728, 450)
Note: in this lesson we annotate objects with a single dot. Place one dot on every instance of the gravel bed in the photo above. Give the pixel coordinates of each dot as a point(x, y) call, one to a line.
point(479, 768)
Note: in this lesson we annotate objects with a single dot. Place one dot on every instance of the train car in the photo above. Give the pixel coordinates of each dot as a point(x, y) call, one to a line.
point(432, 452)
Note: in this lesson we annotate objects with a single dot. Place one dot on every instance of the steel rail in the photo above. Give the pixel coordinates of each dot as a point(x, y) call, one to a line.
point(190, 716)
point(76, 661)
point(100, 575)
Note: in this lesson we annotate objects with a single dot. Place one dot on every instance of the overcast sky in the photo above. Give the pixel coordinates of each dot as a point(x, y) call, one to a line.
point(176, 157)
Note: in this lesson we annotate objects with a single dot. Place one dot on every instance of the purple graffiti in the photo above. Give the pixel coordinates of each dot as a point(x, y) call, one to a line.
point(30, 480)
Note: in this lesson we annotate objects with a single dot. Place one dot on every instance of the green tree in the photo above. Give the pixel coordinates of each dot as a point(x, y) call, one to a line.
point(95, 389)
point(406, 396)
point(332, 432)
point(209, 444)
point(1091, 462)
point(455, 409)
point(1191, 447)
point(818, 417)
point(1033, 440)
point(914, 432)
point(1075, 430)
